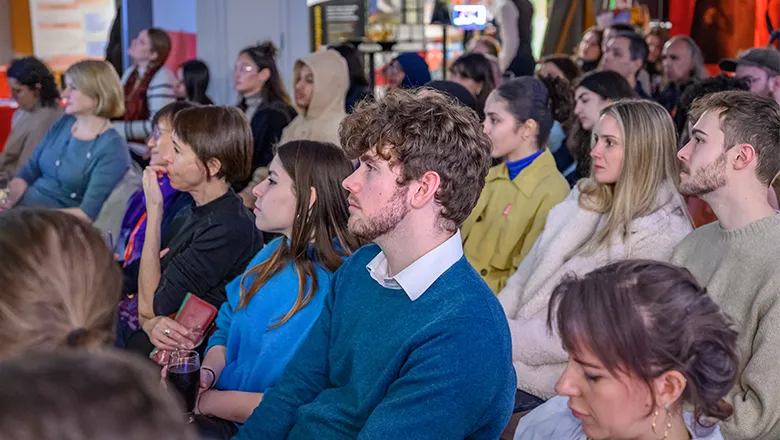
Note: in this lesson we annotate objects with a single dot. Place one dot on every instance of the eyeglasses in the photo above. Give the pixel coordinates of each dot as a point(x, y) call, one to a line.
point(244, 68)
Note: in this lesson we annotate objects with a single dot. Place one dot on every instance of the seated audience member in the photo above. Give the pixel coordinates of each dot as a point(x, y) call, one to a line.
point(683, 64)
point(629, 207)
point(701, 213)
point(60, 284)
point(407, 71)
point(272, 307)
point(560, 66)
point(87, 396)
point(33, 88)
point(611, 32)
point(518, 193)
point(81, 158)
point(589, 50)
point(321, 84)
point(359, 89)
point(408, 326)
point(592, 93)
point(729, 163)
point(760, 67)
point(626, 53)
point(474, 72)
point(130, 239)
point(656, 38)
point(667, 374)
point(264, 100)
point(561, 97)
point(455, 90)
point(210, 244)
point(486, 45)
point(148, 87)
point(192, 83)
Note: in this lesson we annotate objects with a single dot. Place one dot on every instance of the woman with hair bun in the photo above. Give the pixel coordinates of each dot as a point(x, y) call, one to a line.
point(264, 100)
point(59, 281)
point(650, 356)
point(519, 192)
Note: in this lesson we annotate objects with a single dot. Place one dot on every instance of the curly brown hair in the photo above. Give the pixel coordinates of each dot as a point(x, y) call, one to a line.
point(424, 130)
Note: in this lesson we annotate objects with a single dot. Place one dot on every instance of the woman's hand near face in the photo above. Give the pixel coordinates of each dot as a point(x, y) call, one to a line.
point(152, 192)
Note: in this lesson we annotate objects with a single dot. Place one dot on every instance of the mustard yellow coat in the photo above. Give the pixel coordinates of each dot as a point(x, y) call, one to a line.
point(509, 216)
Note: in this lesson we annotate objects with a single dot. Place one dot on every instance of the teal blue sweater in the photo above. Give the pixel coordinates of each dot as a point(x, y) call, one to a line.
point(379, 366)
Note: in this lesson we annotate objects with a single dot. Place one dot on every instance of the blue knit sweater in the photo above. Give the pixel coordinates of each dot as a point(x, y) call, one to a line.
point(379, 366)
point(255, 356)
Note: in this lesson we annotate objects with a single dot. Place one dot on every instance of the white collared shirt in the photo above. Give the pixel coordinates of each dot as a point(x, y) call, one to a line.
point(418, 276)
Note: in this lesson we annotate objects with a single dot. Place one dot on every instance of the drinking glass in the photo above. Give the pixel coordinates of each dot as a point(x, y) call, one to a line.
point(184, 376)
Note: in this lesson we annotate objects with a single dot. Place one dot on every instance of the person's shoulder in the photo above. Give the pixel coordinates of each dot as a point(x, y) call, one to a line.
point(64, 122)
point(164, 75)
point(465, 294)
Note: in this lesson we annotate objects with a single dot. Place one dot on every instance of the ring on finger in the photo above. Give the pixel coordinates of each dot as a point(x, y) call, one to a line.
point(167, 332)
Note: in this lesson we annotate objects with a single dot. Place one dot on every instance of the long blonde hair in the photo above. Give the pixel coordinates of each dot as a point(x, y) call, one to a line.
point(649, 163)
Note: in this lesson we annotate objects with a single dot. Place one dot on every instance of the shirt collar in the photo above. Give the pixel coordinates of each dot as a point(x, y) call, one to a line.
point(420, 275)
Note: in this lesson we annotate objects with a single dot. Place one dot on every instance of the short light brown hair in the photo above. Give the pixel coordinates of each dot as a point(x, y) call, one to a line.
point(747, 118)
point(75, 395)
point(98, 80)
point(424, 130)
point(218, 132)
point(60, 283)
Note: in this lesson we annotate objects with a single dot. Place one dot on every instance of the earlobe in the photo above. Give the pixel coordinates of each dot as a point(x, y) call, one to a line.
point(669, 387)
point(213, 167)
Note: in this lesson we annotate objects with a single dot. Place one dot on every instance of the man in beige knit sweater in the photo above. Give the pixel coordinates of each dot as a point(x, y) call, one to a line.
point(730, 161)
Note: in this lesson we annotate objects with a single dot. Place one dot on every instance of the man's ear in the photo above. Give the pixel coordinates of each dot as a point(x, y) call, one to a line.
point(746, 155)
point(425, 189)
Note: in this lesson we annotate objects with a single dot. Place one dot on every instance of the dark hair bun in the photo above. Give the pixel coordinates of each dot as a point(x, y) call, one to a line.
point(267, 48)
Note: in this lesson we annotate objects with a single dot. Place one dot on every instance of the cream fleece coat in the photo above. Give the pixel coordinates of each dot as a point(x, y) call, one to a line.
point(320, 122)
point(537, 354)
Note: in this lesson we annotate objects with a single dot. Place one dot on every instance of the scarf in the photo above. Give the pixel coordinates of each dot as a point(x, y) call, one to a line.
point(136, 105)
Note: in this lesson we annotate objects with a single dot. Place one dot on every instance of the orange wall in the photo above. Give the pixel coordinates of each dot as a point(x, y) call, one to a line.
point(21, 30)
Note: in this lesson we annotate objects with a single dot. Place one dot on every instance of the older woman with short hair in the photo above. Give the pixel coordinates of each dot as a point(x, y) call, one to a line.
point(210, 244)
point(81, 158)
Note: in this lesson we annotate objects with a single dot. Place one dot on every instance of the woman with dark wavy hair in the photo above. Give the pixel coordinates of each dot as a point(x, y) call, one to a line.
point(33, 88)
point(650, 356)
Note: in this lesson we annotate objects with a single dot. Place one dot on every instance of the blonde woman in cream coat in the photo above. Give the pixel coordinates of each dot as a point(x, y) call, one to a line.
point(629, 207)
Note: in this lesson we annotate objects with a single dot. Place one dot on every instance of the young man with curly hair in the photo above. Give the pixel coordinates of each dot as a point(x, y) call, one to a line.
point(411, 343)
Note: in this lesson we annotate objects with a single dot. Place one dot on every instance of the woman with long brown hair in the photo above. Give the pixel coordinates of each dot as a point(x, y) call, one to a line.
point(272, 306)
point(148, 86)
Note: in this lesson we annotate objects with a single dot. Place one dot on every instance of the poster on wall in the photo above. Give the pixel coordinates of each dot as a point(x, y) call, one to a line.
point(67, 31)
point(333, 21)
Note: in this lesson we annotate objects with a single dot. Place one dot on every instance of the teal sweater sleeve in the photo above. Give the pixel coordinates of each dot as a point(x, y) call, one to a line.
point(305, 377)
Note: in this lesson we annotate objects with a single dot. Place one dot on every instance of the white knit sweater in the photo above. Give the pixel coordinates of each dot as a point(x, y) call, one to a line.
point(537, 354)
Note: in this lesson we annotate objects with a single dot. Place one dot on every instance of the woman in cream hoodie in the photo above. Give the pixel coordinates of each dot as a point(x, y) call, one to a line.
point(321, 84)
point(628, 208)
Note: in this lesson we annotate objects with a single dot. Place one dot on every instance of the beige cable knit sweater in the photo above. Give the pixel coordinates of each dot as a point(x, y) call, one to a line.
point(741, 270)
point(537, 354)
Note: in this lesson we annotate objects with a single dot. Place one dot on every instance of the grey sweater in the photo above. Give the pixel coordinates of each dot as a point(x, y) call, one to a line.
point(739, 268)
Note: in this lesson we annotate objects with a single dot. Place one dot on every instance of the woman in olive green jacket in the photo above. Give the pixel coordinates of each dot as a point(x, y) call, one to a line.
point(518, 193)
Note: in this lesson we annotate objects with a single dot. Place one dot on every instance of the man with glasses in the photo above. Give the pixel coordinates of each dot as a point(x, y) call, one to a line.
point(760, 67)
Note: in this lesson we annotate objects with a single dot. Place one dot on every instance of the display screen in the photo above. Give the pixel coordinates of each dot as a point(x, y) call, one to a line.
point(469, 16)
